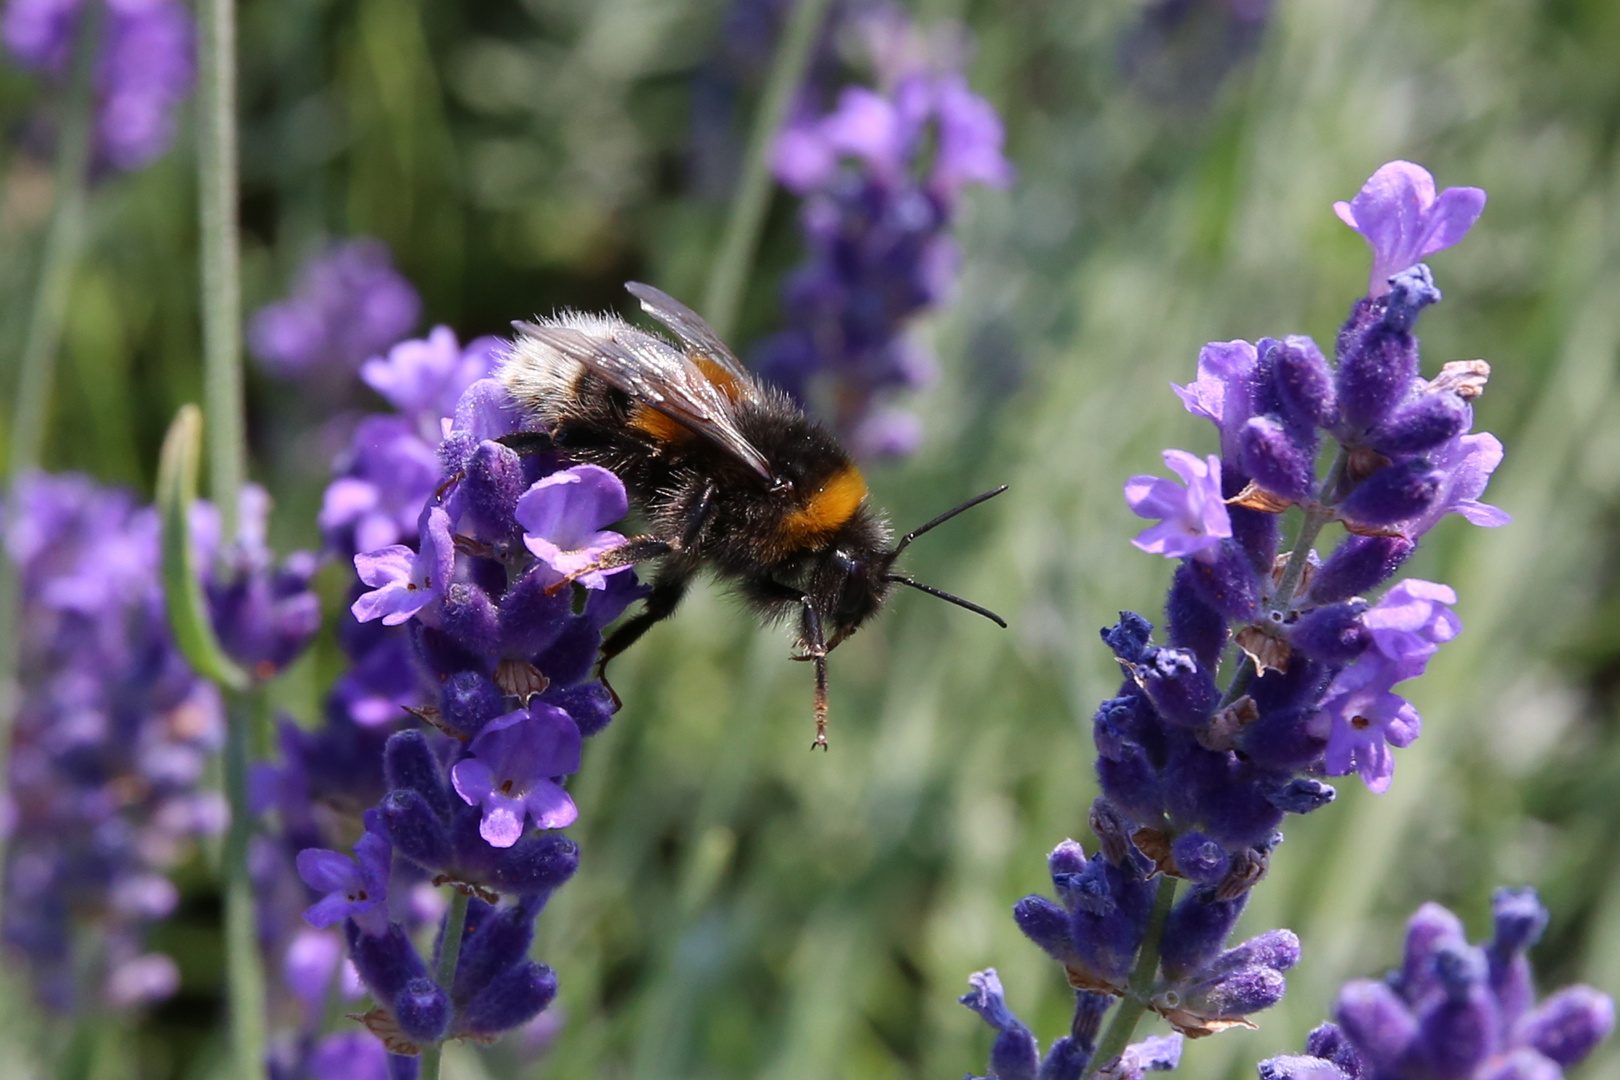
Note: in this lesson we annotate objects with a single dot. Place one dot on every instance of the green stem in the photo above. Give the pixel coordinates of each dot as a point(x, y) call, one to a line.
point(723, 296)
point(64, 241)
point(445, 974)
point(244, 971)
point(1140, 983)
point(220, 258)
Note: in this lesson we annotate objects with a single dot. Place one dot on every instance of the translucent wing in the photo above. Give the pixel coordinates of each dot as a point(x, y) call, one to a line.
point(695, 333)
point(656, 374)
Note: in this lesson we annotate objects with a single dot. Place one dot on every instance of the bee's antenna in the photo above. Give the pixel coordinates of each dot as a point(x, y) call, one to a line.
point(905, 541)
point(948, 597)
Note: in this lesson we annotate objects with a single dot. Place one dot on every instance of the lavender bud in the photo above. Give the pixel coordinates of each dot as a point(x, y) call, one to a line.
point(491, 485)
point(1066, 1059)
point(1229, 583)
point(1196, 930)
point(1067, 858)
point(414, 829)
point(571, 657)
point(1374, 376)
point(1459, 1030)
point(1047, 925)
point(423, 1010)
point(1281, 739)
point(1519, 920)
point(1522, 1063)
point(470, 620)
point(1393, 494)
point(513, 997)
point(1275, 460)
point(468, 701)
point(589, 704)
point(1423, 423)
point(1301, 795)
point(1129, 638)
point(530, 620)
point(1358, 565)
point(1410, 291)
point(1328, 1041)
point(1305, 382)
point(1376, 1021)
point(1200, 859)
point(1191, 623)
point(1332, 634)
point(1430, 930)
point(500, 938)
point(1569, 1024)
point(1301, 1067)
point(409, 764)
point(1244, 991)
point(536, 863)
point(1181, 691)
point(386, 962)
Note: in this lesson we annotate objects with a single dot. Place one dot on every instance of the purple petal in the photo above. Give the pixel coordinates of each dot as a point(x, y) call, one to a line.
point(503, 821)
point(472, 779)
point(329, 909)
point(567, 507)
point(1154, 496)
point(550, 806)
point(387, 566)
point(326, 871)
point(1452, 215)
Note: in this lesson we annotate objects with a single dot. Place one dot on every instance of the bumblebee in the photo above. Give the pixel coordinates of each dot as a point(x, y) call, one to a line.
point(729, 473)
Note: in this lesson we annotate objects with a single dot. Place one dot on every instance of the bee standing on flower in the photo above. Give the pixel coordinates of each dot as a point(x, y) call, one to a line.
point(729, 472)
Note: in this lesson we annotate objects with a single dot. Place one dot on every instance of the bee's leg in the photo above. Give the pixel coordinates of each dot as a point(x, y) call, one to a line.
point(698, 517)
point(634, 550)
point(667, 592)
point(527, 443)
point(815, 648)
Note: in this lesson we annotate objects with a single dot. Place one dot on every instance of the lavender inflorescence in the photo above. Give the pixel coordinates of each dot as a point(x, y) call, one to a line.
point(474, 597)
point(1197, 776)
point(1455, 1010)
point(114, 729)
point(145, 67)
point(881, 174)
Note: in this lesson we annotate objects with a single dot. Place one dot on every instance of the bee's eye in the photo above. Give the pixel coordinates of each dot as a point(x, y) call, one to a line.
point(842, 560)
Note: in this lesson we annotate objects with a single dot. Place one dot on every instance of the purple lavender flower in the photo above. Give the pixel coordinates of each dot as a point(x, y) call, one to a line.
point(876, 217)
point(511, 772)
point(562, 517)
point(355, 888)
point(1410, 624)
point(144, 70)
point(1223, 391)
point(1403, 220)
point(349, 304)
point(114, 731)
point(1465, 465)
point(1194, 516)
point(1456, 1011)
point(407, 583)
point(424, 378)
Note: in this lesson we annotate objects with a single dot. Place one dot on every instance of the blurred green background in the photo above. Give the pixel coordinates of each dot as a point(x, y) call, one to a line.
point(744, 909)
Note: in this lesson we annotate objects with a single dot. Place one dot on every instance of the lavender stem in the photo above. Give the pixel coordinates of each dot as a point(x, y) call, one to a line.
point(1134, 1003)
point(445, 974)
point(723, 295)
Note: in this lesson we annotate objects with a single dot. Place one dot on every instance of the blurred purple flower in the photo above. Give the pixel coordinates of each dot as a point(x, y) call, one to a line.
point(144, 70)
point(389, 476)
point(1404, 221)
point(424, 378)
point(562, 517)
point(1195, 520)
point(348, 304)
point(512, 768)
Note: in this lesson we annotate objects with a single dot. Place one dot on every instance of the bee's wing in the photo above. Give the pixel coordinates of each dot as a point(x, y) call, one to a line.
point(695, 333)
point(659, 376)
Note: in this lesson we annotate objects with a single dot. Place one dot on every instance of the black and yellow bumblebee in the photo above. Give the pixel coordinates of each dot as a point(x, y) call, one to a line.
point(728, 471)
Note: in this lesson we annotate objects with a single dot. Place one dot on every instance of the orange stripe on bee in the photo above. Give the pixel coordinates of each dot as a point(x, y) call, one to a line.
point(723, 380)
point(660, 427)
point(834, 503)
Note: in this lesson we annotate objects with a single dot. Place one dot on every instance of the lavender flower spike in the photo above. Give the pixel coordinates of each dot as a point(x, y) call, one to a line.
point(404, 582)
point(512, 769)
point(562, 516)
point(1404, 221)
point(1195, 520)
